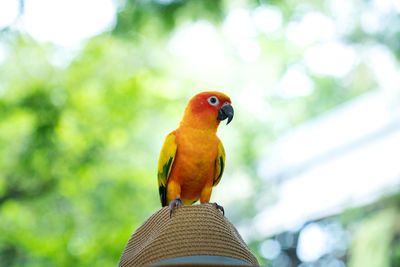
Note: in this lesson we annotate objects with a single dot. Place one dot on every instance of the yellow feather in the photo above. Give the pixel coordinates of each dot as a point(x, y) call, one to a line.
point(219, 164)
point(165, 162)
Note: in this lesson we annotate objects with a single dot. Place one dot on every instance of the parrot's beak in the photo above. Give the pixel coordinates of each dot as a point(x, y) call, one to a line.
point(226, 111)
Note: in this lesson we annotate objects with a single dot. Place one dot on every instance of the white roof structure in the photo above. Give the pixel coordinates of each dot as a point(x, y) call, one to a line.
point(347, 157)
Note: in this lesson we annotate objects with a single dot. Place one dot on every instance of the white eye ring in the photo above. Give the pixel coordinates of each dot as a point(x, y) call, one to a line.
point(213, 100)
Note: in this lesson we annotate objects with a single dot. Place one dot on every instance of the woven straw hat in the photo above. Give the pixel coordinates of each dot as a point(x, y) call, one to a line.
point(195, 235)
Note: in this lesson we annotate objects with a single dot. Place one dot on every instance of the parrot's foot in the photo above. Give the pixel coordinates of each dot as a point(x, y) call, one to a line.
point(216, 206)
point(219, 208)
point(174, 203)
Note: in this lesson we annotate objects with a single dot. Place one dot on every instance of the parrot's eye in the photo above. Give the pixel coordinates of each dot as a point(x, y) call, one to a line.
point(213, 100)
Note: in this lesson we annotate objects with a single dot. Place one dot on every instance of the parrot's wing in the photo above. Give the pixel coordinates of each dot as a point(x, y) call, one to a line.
point(167, 157)
point(219, 164)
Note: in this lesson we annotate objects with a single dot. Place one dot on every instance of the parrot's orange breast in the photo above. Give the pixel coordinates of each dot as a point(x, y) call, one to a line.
point(194, 164)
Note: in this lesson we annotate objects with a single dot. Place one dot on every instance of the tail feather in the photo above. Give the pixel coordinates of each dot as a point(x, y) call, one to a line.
point(163, 195)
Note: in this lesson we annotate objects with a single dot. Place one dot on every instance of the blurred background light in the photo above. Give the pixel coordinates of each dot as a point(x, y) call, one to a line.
point(295, 82)
point(331, 58)
point(270, 249)
point(311, 28)
point(249, 50)
point(385, 67)
point(312, 242)
point(316, 240)
point(45, 20)
point(2, 53)
point(238, 25)
point(8, 12)
point(252, 99)
point(371, 21)
point(344, 14)
point(267, 18)
point(282, 260)
point(197, 42)
point(239, 189)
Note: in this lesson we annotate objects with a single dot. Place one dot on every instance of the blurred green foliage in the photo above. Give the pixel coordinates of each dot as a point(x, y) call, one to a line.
point(79, 142)
point(376, 231)
point(76, 175)
point(159, 17)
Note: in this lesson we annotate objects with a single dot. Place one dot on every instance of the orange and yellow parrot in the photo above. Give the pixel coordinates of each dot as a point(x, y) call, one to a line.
point(192, 159)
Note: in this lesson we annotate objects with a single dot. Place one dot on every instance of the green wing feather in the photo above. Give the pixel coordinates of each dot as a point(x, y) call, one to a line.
point(219, 164)
point(165, 162)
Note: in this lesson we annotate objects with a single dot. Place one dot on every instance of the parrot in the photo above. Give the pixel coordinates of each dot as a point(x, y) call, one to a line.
point(192, 158)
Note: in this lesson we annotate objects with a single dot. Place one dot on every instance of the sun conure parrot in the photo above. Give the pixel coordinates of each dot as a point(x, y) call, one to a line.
point(192, 158)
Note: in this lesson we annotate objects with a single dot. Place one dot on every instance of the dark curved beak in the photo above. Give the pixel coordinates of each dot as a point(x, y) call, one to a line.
point(226, 111)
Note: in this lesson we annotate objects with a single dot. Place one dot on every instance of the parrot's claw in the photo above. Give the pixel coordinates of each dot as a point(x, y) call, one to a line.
point(174, 203)
point(219, 208)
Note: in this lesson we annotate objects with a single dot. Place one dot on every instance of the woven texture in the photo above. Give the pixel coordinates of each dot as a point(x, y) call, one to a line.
point(192, 230)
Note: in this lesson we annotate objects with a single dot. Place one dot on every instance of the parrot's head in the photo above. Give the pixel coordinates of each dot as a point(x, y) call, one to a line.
point(207, 109)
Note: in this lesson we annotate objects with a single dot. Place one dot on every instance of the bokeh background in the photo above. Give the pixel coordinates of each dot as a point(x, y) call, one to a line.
point(89, 89)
